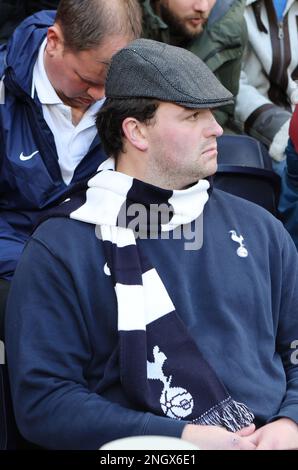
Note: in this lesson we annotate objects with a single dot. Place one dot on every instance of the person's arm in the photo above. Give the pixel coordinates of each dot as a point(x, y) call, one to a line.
point(287, 331)
point(260, 117)
point(281, 430)
point(48, 348)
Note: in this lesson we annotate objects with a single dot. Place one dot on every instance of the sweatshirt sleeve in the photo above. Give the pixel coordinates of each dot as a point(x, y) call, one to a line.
point(287, 333)
point(49, 351)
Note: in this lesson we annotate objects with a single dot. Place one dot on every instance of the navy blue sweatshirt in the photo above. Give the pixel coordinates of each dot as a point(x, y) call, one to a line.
point(61, 335)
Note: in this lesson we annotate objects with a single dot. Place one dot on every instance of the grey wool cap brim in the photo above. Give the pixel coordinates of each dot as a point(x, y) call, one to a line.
point(151, 69)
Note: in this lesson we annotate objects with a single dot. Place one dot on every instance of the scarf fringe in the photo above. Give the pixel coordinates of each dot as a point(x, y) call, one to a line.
point(229, 413)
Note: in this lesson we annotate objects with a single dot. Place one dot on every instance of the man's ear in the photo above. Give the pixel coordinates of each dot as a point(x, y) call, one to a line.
point(135, 133)
point(55, 40)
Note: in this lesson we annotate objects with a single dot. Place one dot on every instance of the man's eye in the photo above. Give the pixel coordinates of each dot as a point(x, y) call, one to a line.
point(194, 116)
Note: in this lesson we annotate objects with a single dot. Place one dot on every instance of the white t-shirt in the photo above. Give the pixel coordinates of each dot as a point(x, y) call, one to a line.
point(72, 142)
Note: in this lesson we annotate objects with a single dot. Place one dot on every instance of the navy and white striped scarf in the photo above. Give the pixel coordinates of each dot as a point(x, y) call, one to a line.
point(161, 367)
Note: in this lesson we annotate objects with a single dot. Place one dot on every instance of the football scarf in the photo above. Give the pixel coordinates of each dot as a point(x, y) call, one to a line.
point(161, 367)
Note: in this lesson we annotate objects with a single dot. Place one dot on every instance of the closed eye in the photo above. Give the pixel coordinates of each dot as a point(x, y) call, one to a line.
point(89, 82)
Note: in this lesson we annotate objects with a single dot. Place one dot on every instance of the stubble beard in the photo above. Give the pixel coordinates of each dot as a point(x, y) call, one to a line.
point(178, 27)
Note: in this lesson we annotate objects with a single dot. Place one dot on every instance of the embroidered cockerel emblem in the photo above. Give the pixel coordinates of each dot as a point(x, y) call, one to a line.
point(241, 250)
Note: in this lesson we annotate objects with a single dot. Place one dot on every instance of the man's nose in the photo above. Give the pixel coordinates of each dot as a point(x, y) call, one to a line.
point(218, 129)
point(201, 5)
point(96, 93)
point(213, 128)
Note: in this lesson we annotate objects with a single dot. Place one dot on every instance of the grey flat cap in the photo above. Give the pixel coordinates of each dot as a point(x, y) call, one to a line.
point(151, 69)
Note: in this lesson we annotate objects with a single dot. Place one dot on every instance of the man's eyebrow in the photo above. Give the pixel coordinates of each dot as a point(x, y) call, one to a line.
point(191, 110)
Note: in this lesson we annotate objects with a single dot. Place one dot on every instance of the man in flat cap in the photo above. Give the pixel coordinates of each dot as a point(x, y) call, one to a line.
point(153, 304)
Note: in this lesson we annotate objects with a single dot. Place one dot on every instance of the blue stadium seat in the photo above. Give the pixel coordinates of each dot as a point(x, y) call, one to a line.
point(245, 170)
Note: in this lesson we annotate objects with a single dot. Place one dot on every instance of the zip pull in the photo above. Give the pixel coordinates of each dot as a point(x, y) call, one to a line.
point(280, 30)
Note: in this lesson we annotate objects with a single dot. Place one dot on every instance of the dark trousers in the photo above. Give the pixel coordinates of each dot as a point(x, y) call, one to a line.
point(4, 289)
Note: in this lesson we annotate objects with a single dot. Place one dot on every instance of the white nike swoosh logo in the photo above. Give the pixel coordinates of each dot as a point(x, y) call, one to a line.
point(107, 270)
point(24, 158)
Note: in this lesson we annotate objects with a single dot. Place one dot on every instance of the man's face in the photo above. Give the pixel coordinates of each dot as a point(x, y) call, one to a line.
point(182, 145)
point(79, 77)
point(185, 18)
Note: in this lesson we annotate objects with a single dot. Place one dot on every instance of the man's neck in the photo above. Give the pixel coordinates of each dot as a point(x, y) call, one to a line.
point(76, 115)
point(142, 172)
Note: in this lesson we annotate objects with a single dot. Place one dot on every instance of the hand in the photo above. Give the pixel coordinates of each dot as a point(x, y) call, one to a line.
point(218, 438)
point(279, 143)
point(279, 435)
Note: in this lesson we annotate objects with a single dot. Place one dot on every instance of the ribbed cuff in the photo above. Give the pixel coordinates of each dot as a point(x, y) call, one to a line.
point(290, 411)
point(157, 425)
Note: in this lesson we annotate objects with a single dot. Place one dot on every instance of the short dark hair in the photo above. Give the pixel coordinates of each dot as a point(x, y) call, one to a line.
point(112, 114)
point(86, 23)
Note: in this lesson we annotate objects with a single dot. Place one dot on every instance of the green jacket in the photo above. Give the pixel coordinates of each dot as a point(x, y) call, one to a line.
point(220, 46)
